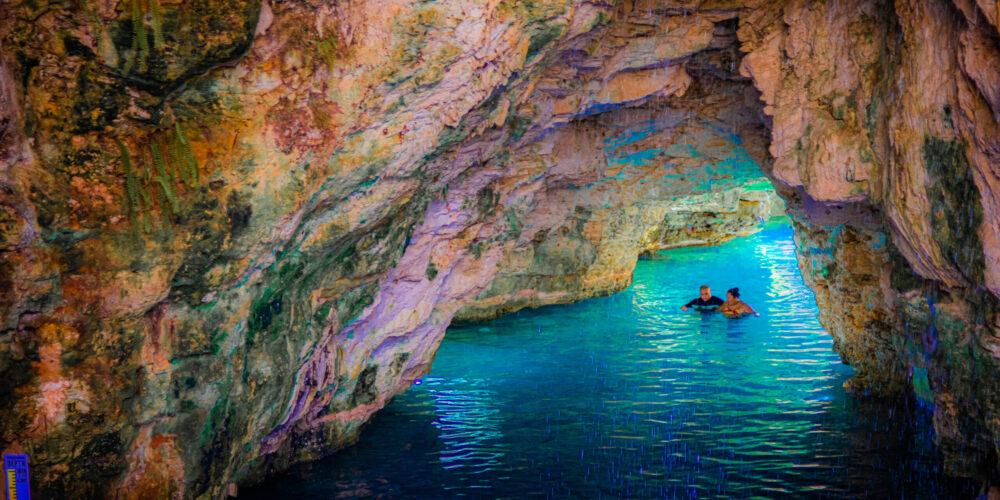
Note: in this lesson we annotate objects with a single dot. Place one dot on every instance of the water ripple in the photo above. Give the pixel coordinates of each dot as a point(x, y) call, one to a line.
point(628, 397)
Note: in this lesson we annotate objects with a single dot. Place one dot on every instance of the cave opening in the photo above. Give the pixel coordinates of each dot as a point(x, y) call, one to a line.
point(684, 165)
point(232, 232)
point(574, 374)
point(627, 396)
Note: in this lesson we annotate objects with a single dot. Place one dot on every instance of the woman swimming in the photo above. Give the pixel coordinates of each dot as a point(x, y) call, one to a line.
point(734, 307)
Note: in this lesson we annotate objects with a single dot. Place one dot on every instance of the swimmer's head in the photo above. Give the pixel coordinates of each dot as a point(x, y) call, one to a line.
point(706, 292)
point(733, 293)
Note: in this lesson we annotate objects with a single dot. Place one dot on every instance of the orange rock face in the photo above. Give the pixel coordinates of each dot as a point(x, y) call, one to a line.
point(885, 143)
point(231, 231)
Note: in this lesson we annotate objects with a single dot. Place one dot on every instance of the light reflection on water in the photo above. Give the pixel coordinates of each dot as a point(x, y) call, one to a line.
point(628, 397)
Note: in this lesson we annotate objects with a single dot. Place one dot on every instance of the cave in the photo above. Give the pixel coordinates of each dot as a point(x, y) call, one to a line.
point(231, 232)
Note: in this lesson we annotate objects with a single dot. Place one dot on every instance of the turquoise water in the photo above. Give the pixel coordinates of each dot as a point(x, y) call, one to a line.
point(629, 397)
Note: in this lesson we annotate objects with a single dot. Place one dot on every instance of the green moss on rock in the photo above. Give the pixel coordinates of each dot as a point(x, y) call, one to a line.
point(543, 37)
point(159, 51)
point(956, 212)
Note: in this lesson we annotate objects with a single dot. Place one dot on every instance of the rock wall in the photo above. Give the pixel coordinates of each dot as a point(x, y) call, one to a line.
point(885, 143)
point(231, 231)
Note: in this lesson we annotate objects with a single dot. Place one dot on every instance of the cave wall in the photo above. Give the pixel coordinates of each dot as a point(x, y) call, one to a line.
point(885, 143)
point(231, 231)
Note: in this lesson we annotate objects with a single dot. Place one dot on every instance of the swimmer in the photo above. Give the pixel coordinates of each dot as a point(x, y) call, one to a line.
point(705, 302)
point(734, 307)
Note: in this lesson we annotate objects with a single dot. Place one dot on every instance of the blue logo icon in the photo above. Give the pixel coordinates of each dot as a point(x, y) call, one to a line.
point(15, 473)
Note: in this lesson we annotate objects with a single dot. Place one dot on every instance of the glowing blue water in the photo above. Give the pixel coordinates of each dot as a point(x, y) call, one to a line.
point(628, 397)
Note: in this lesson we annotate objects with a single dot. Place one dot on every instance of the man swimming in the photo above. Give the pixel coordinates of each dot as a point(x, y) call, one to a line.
point(706, 302)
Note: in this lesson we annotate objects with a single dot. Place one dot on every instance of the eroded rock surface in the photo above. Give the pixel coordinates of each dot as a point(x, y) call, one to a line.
point(885, 143)
point(231, 231)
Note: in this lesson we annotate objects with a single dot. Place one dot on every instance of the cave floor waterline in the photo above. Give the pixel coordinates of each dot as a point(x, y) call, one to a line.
point(628, 397)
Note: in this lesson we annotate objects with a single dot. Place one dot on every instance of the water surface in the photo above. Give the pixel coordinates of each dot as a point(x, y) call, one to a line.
point(629, 397)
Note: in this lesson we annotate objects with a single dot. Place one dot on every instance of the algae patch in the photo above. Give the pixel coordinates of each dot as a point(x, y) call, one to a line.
point(956, 212)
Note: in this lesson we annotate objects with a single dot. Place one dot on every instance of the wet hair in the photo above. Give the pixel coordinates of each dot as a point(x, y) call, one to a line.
point(735, 291)
point(704, 287)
